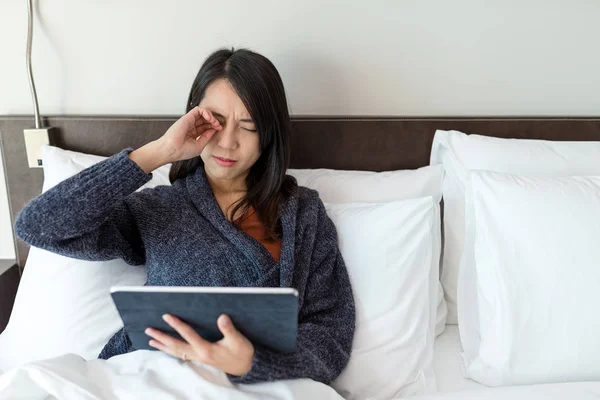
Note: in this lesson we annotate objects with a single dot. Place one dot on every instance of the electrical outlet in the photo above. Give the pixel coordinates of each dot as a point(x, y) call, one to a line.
point(34, 140)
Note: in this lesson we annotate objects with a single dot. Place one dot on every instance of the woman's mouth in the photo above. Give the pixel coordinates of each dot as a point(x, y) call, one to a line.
point(224, 162)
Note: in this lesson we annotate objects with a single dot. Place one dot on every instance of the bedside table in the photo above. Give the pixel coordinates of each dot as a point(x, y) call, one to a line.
point(9, 281)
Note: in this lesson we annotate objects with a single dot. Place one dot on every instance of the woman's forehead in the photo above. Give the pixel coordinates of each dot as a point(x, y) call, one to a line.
point(221, 98)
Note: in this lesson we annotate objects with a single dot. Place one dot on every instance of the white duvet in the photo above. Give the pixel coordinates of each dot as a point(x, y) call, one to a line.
point(142, 374)
point(155, 375)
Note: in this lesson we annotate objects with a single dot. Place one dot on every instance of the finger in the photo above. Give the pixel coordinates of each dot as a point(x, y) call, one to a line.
point(216, 124)
point(158, 345)
point(175, 352)
point(227, 328)
point(199, 115)
point(203, 139)
point(203, 128)
point(164, 338)
point(207, 115)
point(205, 125)
point(211, 118)
point(202, 122)
point(168, 344)
point(204, 116)
point(196, 112)
point(200, 129)
point(187, 332)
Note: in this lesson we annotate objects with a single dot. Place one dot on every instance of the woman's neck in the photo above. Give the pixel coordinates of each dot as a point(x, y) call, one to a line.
point(227, 187)
point(227, 192)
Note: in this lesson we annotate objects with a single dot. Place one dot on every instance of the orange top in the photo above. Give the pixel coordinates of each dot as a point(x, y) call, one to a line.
point(252, 225)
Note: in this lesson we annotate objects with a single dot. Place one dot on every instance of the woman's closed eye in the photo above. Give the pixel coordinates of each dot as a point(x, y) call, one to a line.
point(223, 121)
point(247, 124)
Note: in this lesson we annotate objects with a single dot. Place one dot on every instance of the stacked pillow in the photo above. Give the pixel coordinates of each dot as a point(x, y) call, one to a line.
point(521, 220)
point(392, 253)
point(343, 187)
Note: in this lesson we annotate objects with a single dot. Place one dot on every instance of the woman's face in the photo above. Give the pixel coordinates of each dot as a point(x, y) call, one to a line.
point(231, 152)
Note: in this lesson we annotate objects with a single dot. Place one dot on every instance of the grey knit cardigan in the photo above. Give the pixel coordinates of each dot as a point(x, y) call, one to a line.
point(180, 233)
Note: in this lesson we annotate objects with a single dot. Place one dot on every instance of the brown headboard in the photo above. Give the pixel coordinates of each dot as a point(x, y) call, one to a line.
point(355, 143)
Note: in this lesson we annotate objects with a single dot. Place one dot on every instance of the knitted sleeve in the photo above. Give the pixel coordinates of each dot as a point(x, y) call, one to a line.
point(87, 216)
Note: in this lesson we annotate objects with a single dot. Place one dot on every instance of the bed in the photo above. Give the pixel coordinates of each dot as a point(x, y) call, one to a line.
point(332, 142)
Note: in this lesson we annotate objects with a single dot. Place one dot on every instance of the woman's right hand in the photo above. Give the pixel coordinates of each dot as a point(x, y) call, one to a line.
point(185, 139)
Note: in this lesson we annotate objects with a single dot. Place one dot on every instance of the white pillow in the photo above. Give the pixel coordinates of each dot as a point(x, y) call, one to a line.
point(337, 186)
point(66, 163)
point(63, 305)
point(392, 256)
point(460, 153)
point(340, 187)
point(529, 279)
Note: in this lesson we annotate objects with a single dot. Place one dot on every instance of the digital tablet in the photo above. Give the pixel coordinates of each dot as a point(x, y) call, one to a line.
point(266, 316)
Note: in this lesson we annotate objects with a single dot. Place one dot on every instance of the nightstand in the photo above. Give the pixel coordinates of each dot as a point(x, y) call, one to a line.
point(9, 281)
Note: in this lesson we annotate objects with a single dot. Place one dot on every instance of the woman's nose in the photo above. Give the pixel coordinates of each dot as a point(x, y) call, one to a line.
point(227, 138)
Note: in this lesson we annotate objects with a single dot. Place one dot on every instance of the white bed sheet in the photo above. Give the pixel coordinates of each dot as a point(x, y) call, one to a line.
point(448, 365)
point(551, 391)
point(452, 385)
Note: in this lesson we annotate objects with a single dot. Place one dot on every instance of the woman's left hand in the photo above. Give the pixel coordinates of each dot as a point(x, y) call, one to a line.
point(233, 354)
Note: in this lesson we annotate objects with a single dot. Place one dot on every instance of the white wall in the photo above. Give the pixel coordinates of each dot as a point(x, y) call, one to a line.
point(395, 57)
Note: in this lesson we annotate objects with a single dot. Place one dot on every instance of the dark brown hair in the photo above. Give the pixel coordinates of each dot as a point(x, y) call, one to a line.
point(258, 84)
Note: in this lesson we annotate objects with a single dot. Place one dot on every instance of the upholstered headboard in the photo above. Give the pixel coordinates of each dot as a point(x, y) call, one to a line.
point(356, 143)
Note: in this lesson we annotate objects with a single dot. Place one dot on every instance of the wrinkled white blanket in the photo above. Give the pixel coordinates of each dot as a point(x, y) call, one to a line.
point(142, 375)
point(151, 374)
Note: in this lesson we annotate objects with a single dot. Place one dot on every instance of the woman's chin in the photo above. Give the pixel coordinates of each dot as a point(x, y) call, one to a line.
point(222, 173)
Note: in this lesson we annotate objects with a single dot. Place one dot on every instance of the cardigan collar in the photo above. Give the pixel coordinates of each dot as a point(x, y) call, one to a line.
point(202, 196)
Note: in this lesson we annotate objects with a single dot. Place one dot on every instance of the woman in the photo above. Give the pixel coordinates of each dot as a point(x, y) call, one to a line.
point(232, 217)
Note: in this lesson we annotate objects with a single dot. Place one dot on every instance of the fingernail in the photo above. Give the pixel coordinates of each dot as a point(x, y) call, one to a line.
point(147, 331)
point(166, 318)
point(226, 321)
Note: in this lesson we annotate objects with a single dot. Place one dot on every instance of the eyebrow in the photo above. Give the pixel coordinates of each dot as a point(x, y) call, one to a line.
point(241, 120)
